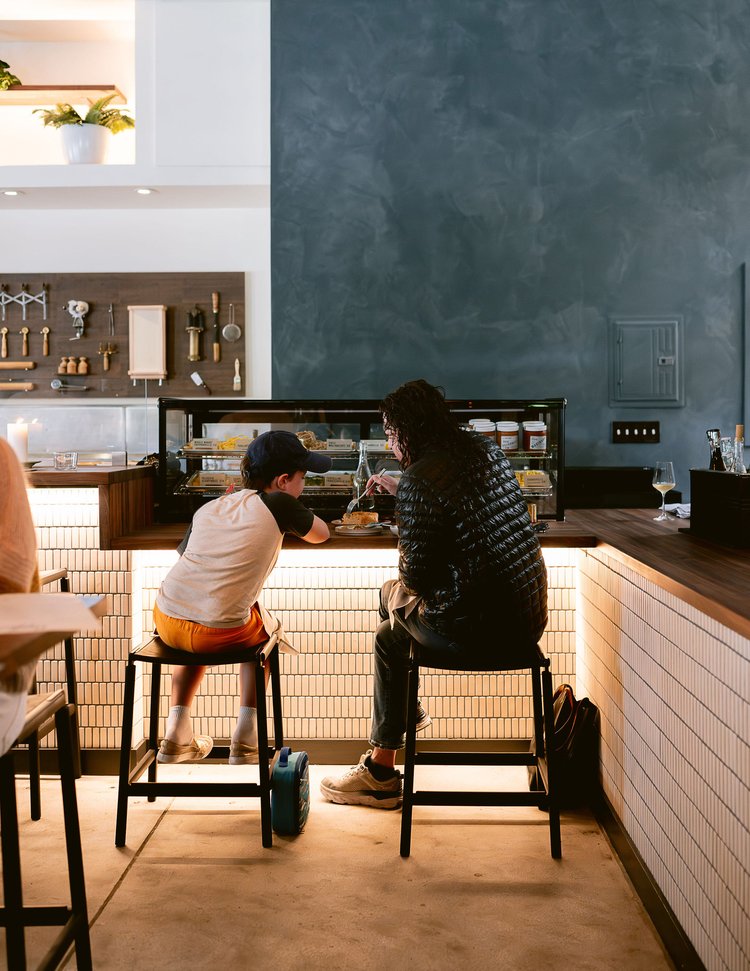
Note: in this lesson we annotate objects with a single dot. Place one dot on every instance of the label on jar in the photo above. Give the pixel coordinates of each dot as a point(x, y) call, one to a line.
point(537, 442)
point(507, 435)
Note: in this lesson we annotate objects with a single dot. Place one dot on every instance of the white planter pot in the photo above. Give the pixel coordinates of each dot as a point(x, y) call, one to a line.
point(85, 144)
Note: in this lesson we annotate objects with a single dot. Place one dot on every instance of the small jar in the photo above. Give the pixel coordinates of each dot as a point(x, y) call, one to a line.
point(534, 436)
point(507, 435)
point(484, 426)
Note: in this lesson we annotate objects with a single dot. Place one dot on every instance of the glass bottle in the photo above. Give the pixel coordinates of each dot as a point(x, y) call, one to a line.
point(717, 462)
point(739, 449)
point(361, 478)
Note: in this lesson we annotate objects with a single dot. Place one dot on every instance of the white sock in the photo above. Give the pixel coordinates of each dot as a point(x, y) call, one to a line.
point(246, 730)
point(179, 725)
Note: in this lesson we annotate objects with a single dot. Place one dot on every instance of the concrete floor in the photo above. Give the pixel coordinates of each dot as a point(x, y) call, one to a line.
point(195, 889)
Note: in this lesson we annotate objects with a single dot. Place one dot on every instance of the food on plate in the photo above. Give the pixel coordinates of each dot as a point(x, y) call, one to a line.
point(362, 518)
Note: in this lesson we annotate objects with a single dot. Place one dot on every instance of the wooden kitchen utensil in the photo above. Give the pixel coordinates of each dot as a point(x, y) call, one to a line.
point(237, 382)
point(16, 386)
point(17, 365)
point(215, 308)
point(45, 341)
point(24, 332)
point(4, 349)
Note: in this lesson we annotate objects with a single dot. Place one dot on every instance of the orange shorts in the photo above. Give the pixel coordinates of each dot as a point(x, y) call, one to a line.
point(185, 635)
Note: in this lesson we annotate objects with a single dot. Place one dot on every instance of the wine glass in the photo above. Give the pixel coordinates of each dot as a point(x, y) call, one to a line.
point(663, 481)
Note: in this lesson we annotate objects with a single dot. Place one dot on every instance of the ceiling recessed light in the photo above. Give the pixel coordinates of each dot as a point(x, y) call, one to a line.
point(12, 192)
point(145, 192)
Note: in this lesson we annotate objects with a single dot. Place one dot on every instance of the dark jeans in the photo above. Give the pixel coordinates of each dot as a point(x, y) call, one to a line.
point(392, 647)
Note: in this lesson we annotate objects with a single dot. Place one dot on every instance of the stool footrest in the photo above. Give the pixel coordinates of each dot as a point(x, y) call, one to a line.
point(474, 758)
point(194, 789)
point(427, 797)
point(38, 916)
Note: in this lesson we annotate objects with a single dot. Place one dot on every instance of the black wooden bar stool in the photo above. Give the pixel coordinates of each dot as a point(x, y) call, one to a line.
point(541, 685)
point(155, 652)
point(14, 916)
point(31, 741)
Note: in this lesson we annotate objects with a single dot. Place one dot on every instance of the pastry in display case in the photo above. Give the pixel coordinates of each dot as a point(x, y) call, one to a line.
point(202, 443)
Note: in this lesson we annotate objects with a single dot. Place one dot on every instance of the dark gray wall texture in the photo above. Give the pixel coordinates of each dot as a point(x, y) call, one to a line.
point(467, 191)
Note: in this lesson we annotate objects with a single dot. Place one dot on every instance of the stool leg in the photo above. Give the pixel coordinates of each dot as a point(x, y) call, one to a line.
point(278, 717)
point(35, 771)
point(63, 723)
point(153, 722)
point(549, 751)
point(125, 745)
point(409, 757)
point(536, 694)
point(15, 947)
point(263, 771)
point(70, 674)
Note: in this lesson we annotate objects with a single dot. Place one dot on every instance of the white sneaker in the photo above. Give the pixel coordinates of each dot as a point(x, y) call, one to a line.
point(423, 719)
point(359, 787)
point(198, 749)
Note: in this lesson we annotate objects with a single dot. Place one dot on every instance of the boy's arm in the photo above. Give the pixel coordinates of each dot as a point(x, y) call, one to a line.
point(318, 533)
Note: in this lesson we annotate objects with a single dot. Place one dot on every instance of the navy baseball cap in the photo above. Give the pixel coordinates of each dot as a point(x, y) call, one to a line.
point(277, 452)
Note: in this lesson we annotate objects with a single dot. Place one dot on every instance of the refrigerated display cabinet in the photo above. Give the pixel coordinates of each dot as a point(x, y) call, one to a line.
point(202, 441)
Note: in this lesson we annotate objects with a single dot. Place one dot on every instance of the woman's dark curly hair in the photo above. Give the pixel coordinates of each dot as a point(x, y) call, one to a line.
point(418, 415)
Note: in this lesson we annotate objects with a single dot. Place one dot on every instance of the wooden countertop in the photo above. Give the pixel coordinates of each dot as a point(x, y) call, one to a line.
point(166, 536)
point(714, 579)
point(88, 475)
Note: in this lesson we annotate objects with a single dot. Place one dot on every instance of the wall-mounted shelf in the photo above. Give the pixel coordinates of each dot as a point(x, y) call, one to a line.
point(46, 94)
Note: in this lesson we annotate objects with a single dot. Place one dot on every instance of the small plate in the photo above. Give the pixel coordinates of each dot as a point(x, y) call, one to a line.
point(359, 530)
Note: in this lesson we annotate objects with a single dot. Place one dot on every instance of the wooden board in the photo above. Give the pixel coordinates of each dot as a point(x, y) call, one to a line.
point(181, 292)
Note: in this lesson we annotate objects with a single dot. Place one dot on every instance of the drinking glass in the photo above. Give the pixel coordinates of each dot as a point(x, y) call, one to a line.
point(727, 453)
point(663, 481)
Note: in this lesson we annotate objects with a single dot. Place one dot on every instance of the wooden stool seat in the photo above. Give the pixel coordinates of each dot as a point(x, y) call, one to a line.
point(156, 653)
point(14, 916)
point(544, 758)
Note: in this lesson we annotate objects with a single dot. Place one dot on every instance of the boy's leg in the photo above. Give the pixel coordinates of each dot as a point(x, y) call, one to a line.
point(244, 747)
point(179, 744)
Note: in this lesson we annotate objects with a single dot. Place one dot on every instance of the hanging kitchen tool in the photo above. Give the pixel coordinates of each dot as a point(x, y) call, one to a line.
point(24, 298)
point(45, 341)
point(231, 332)
point(16, 386)
point(17, 365)
point(197, 379)
point(4, 348)
point(24, 332)
point(77, 310)
point(106, 353)
point(57, 385)
point(215, 308)
point(237, 382)
point(194, 329)
point(111, 312)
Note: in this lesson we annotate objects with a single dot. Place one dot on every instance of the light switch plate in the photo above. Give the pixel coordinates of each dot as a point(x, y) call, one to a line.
point(635, 432)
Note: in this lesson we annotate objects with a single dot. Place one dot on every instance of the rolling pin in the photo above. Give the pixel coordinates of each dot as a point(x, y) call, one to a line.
point(16, 386)
point(17, 365)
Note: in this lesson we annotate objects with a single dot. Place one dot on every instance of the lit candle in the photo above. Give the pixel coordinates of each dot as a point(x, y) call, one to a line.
point(18, 439)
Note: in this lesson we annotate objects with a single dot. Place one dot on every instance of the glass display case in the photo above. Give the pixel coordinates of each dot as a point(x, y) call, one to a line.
point(202, 441)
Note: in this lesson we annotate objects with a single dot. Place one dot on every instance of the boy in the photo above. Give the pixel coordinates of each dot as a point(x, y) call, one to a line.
point(208, 602)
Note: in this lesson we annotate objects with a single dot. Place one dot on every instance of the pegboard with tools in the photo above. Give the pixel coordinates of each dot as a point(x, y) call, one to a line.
point(67, 335)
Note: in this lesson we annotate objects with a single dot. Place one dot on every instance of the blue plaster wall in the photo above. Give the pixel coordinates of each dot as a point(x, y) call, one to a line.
point(466, 190)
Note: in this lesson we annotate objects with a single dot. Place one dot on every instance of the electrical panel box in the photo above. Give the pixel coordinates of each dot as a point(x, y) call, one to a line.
point(646, 362)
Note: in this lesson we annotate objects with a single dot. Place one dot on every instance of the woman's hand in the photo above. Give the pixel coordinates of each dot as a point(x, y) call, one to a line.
point(383, 483)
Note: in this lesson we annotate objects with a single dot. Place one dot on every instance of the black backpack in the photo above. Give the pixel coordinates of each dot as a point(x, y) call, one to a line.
point(576, 740)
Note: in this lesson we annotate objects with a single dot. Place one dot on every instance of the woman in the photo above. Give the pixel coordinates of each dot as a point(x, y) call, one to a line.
point(472, 584)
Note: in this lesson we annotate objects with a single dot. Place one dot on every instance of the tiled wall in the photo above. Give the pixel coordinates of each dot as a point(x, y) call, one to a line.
point(673, 688)
point(67, 534)
point(330, 611)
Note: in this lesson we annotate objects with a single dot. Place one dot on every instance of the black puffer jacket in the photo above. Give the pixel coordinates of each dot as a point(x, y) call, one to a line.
point(467, 546)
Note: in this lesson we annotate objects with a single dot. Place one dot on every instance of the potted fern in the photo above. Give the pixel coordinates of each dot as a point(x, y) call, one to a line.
point(86, 138)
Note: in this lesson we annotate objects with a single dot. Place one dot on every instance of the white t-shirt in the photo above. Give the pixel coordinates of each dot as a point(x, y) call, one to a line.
point(233, 546)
